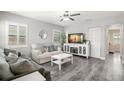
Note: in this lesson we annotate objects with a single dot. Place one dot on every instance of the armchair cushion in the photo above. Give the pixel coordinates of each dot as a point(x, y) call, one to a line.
point(45, 55)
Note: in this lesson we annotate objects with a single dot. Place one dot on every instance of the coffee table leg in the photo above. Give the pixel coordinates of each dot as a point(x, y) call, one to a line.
point(51, 62)
point(59, 66)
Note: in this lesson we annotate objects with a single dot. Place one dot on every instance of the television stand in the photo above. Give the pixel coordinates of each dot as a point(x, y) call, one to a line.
point(77, 49)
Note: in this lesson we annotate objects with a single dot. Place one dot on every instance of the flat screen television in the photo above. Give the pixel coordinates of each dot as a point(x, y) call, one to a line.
point(75, 38)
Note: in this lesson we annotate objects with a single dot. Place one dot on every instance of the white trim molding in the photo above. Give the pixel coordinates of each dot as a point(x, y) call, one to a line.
point(102, 58)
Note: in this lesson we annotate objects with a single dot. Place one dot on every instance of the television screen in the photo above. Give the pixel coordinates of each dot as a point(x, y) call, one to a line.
point(75, 38)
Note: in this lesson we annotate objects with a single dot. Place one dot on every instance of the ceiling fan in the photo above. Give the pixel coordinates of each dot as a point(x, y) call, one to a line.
point(68, 16)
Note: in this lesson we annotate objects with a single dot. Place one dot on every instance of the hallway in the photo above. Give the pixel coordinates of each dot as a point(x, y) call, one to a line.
point(114, 69)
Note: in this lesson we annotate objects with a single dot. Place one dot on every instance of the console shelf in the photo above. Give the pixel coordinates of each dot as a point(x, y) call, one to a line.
point(77, 49)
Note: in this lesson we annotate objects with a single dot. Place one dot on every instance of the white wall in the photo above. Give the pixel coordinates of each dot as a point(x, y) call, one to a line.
point(83, 27)
point(34, 26)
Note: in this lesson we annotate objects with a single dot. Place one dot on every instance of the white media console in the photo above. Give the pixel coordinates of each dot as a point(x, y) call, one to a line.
point(77, 49)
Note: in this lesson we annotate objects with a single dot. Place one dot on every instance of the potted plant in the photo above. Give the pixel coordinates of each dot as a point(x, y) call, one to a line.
point(63, 39)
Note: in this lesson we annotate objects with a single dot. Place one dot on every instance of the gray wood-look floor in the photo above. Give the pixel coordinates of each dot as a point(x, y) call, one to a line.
point(91, 69)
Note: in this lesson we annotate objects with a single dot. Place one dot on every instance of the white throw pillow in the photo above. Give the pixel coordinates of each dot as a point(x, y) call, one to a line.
point(12, 55)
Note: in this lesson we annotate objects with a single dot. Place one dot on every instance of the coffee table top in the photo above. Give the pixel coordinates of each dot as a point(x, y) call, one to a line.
point(62, 56)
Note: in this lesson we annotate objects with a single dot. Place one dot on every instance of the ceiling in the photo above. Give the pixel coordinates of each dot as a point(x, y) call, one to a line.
point(54, 16)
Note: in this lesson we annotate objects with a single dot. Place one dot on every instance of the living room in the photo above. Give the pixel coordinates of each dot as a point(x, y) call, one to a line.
point(86, 31)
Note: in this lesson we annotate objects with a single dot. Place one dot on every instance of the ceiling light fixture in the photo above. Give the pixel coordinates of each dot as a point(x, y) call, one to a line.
point(66, 19)
point(68, 16)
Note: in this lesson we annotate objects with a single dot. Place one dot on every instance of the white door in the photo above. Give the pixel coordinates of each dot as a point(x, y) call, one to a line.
point(95, 39)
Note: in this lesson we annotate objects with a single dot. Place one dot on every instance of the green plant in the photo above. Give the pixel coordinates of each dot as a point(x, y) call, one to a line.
point(63, 39)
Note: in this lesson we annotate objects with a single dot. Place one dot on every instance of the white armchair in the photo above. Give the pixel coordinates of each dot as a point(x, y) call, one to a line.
point(43, 57)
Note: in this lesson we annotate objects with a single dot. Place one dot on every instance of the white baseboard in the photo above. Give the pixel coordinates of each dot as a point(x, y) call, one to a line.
point(102, 58)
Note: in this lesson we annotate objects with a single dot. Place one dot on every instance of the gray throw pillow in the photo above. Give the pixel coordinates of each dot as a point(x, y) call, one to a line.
point(11, 58)
point(5, 71)
point(52, 48)
point(55, 48)
point(21, 66)
point(7, 51)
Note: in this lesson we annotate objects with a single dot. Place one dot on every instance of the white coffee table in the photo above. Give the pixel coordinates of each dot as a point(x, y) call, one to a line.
point(61, 59)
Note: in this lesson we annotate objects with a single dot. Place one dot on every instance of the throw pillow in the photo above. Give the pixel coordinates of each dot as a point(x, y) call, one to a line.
point(7, 51)
point(55, 48)
point(13, 55)
point(21, 66)
point(52, 48)
point(11, 58)
point(49, 49)
point(45, 49)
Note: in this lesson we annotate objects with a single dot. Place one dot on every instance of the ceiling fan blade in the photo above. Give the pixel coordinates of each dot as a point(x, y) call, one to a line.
point(71, 19)
point(75, 14)
point(61, 20)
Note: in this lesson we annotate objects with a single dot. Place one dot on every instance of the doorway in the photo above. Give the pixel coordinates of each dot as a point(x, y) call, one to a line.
point(114, 41)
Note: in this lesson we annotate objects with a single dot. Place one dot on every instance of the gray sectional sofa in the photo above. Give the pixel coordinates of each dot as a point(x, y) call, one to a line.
point(13, 66)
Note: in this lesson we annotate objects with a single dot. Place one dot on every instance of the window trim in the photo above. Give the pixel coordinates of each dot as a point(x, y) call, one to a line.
point(7, 34)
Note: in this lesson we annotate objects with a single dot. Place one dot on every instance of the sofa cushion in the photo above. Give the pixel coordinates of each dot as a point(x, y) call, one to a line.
point(5, 71)
point(36, 52)
point(21, 66)
point(45, 55)
point(11, 58)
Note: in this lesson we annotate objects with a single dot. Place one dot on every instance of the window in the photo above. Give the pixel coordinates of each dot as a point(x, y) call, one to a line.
point(56, 36)
point(16, 35)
